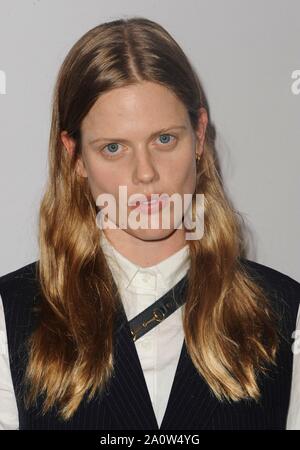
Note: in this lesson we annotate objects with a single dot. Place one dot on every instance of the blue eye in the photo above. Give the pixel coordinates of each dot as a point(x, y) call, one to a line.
point(165, 138)
point(113, 148)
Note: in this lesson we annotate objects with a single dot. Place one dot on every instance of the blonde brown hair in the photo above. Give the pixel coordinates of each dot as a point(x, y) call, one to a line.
point(229, 328)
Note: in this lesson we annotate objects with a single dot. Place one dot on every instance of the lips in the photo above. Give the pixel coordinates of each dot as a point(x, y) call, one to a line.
point(154, 203)
point(150, 199)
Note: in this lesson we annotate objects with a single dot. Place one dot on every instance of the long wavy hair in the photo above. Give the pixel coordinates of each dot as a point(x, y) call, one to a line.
point(230, 329)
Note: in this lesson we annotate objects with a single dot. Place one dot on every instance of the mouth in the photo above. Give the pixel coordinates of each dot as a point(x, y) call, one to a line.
point(151, 206)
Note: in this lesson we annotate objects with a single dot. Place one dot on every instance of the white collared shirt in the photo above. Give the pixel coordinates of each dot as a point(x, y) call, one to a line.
point(139, 288)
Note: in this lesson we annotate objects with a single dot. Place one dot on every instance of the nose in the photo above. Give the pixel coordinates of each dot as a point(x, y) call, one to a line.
point(144, 167)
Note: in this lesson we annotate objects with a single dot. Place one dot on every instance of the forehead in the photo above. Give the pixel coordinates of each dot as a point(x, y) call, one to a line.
point(144, 105)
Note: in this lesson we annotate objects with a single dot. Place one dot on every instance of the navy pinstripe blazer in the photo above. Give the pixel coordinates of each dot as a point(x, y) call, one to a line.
point(126, 404)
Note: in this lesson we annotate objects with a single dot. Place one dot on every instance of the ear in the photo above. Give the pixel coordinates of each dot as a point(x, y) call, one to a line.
point(200, 132)
point(69, 145)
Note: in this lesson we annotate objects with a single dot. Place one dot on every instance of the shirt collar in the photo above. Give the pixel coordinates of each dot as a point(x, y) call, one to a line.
point(171, 269)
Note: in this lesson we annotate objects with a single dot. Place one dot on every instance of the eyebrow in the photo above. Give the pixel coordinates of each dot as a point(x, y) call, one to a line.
point(116, 139)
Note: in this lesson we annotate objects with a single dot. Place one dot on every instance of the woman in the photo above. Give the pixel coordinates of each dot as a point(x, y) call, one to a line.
point(129, 110)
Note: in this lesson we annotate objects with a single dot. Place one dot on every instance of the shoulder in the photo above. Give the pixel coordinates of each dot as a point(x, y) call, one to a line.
point(282, 291)
point(272, 278)
point(19, 278)
point(20, 295)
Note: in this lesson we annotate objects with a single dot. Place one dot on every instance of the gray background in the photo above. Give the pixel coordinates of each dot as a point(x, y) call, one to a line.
point(244, 52)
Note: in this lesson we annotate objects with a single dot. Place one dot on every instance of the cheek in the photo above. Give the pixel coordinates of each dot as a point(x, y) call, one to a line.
point(101, 179)
point(184, 175)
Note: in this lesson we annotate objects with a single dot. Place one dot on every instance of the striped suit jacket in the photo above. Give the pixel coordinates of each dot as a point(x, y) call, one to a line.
point(126, 404)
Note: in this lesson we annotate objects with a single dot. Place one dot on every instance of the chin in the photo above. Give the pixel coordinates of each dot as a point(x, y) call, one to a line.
point(151, 235)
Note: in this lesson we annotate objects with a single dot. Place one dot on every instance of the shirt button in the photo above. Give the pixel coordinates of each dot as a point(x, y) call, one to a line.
point(149, 279)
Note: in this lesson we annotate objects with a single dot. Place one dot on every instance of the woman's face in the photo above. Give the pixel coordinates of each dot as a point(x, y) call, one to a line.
point(140, 136)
